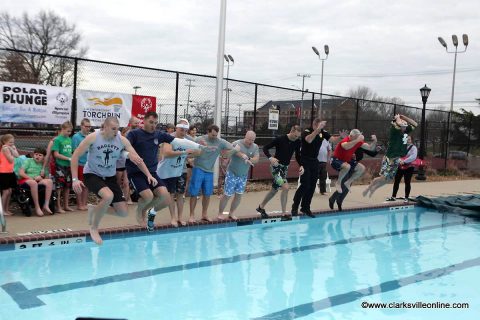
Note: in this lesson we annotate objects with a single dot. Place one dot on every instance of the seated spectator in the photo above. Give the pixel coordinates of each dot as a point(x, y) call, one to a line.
point(31, 176)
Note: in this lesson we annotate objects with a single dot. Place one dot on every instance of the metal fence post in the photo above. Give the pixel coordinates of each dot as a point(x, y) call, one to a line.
point(312, 115)
point(356, 112)
point(176, 97)
point(73, 115)
point(447, 145)
point(255, 108)
point(469, 134)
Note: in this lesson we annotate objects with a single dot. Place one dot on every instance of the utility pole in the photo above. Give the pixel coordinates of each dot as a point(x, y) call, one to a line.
point(303, 89)
point(189, 85)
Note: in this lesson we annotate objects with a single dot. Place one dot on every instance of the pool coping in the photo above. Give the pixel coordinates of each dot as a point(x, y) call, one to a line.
point(9, 242)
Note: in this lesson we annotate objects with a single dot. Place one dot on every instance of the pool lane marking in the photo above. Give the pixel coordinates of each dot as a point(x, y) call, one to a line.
point(28, 298)
point(306, 309)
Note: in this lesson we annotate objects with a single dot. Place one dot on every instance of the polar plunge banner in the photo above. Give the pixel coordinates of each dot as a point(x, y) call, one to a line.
point(33, 103)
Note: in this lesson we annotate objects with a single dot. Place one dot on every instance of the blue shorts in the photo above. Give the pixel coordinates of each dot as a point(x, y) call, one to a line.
point(337, 164)
point(139, 181)
point(234, 184)
point(201, 179)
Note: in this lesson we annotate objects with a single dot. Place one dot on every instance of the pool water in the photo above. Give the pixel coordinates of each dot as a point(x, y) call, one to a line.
point(322, 268)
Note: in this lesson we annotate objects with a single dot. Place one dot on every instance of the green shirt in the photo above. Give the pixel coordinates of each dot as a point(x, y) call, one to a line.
point(32, 168)
point(397, 145)
point(206, 160)
point(63, 145)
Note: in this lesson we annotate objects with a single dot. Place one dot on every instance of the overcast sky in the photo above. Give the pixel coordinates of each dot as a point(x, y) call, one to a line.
point(389, 46)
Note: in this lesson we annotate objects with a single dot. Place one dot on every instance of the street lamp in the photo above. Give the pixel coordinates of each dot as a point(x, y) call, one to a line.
point(327, 51)
point(230, 61)
point(455, 44)
point(425, 92)
point(136, 88)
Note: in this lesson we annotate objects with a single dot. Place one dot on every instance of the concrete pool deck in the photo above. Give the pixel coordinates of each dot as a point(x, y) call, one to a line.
point(77, 221)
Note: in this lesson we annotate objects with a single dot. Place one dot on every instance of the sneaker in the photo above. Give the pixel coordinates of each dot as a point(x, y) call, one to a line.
point(262, 212)
point(151, 220)
point(406, 200)
point(331, 200)
point(391, 199)
point(307, 212)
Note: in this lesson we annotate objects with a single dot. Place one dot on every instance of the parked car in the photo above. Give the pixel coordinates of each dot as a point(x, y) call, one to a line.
point(457, 155)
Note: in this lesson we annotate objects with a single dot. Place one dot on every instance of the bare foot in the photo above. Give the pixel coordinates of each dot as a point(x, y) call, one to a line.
point(129, 202)
point(96, 236)
point(82, 208)
point(365, 192)
point(69, 209)
point(206, 219)
point(220, 217)
point(174, 223)
point(142, 218)
point(39, 212)
point(192, 220)
point(60, 210)
point(181, 222)
point(46, 209)
point(231, 216)
point(8, 213)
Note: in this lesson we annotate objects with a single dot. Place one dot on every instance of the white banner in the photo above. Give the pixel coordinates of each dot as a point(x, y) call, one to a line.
point(273, 118)
point(97, 106)
point(34, 103)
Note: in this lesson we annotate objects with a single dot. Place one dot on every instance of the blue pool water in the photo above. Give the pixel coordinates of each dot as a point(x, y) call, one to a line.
point(322, 268)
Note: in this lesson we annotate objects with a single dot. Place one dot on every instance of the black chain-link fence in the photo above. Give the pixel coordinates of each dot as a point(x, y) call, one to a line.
point(245, 105)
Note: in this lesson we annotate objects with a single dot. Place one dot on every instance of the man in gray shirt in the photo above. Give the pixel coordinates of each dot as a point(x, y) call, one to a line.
point(237, 172)
point(202, 173)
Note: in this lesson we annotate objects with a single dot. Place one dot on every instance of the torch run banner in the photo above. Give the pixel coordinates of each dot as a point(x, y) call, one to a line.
point(97, 106)
point(33, 103)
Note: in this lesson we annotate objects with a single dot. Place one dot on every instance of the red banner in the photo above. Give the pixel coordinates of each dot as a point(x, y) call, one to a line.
point(142, 105)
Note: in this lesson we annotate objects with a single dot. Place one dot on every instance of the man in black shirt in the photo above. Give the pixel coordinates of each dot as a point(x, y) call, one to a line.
point(312, 139)
point(285, 146)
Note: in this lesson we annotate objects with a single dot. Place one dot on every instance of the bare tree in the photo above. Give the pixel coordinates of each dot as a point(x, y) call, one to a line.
point(202, 113)
point(45, 33)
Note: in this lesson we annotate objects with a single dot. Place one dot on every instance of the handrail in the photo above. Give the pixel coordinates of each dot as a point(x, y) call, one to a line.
point(3, 222)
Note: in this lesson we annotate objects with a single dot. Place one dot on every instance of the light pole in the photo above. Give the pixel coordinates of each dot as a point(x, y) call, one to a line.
point(230, 61)
point(327, 51)
point(303, 88)
point(189, 85)
point(455, 44)
point(425, 92)
point(136, 88)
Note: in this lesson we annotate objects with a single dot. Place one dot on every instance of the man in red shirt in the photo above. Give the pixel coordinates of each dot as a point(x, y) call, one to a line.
point(343, 161)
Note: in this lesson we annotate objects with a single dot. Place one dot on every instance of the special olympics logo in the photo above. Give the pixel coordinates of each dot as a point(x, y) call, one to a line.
point(62, 98)
point(146, 104)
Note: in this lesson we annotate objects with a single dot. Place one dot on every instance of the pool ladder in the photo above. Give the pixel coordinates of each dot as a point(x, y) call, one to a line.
point(3, 222)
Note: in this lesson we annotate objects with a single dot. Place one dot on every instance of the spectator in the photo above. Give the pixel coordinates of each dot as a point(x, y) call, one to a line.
point(32, 177)
point(62, 152)
point(323, 158)
point(8, 180)
point(170, 128)
point(405, 170)
point(76, 139)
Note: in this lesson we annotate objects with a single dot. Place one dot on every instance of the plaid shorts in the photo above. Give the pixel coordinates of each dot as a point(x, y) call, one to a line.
point(389, 167)
point(279, 173)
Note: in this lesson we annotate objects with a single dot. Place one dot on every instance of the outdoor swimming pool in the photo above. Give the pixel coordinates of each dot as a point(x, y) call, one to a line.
point(323, 268)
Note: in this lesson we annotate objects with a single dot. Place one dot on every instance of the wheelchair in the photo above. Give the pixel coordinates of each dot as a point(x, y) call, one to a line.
point(23, 197)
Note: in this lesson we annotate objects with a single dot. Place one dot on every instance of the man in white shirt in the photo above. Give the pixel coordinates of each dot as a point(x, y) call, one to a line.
point(323, 158)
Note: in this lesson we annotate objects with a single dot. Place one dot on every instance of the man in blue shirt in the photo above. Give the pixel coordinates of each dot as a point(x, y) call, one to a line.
point(146, 142)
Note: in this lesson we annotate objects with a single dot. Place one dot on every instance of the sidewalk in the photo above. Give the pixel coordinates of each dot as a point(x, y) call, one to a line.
point(78, 220)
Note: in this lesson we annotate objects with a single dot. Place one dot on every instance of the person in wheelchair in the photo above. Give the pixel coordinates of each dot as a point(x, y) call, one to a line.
point(32, 177)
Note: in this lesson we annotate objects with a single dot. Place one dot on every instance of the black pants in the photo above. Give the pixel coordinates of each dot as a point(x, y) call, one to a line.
point(322, 176)
point(308, 181)
point(407, 175)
